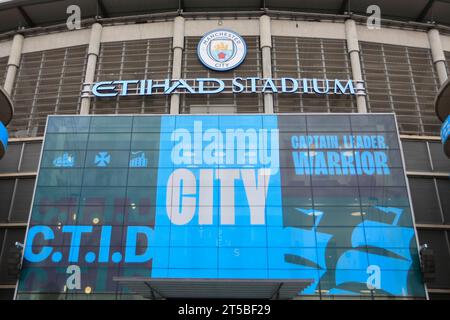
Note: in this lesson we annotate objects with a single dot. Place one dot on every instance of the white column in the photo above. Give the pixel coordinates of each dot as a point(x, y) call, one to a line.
point(13, 62)
point(93, 52)
point(438, 54)
point(265, 39)
point(353, 50)
point(178, 47)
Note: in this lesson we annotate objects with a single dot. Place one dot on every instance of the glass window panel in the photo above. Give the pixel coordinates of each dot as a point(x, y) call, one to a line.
point(70, 141)
point(291, 123)
point(373, 123)
point(13, 235)
point(395, 178)
point(388, 215)
point(105, 177)
point(142, 177)
point(54, 214)
point(100, 215)
point(416, 155)
point(141, 196)
point(444, 195)
point(6, 193)
point(425, 202)
point(6, 294)
point(111, 159)
point(56, 195)
point(109, 141)
point(439, 296)
point(10, 162)
point(332, 196)
point(60, 177)
point(2, 238)
point(111, 124)
point(437, 241)
point(440, 161)
point(339, 216)
point(31, 156)
point(384, 196)
point(242, 258)
point(324, 123)
point(105, 196)
point(147, 124)
point(147, 141)
point(68, 124)
point(22, 200)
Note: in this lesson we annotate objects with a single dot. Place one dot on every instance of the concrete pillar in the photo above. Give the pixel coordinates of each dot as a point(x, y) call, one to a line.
point(438, 55)
point(13, 63)
point(178, 47)
point(353, 51)
point(265, 39)
point(93, 52)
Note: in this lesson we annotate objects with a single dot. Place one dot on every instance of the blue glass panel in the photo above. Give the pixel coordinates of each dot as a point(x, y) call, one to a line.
point(193, 258)
point(62, 124)
point(242, 258)
point(109, 141)
point(68, 141)
point(111, 124)
point(60, 177)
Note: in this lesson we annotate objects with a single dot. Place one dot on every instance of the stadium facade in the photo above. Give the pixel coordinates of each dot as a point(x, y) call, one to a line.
point(255, 149)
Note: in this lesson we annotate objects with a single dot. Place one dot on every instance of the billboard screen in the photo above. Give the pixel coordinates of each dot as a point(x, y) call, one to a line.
point(311, 196)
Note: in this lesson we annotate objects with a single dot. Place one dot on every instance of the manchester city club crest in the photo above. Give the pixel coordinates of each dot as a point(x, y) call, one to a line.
point(221, 50)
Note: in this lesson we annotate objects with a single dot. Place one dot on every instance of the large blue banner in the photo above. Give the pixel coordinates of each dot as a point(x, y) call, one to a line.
point(321, 198)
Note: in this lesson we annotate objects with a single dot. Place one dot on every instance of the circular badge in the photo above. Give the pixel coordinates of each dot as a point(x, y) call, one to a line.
point(221, 50)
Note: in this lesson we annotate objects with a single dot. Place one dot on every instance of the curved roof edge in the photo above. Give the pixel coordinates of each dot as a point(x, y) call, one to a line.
point(17, 14)
point(6, 107)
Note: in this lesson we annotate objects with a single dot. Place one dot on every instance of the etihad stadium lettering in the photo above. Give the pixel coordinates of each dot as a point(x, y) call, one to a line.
point(236, 85)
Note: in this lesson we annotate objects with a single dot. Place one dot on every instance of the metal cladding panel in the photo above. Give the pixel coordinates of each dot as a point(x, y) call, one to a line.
point(207, 288)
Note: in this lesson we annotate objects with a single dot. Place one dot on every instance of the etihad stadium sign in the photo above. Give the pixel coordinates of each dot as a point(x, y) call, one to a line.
point(235, 85)
point(224, 50)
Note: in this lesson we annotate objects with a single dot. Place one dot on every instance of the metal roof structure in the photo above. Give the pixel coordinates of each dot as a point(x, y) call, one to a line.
point(171, 288)
point(16, 14)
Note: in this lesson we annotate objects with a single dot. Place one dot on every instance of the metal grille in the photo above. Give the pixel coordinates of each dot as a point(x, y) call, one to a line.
point(3, 69)
point(134, 60)
point(223, 102)
point(402, 80)
point(311, 58)
point(48, 82)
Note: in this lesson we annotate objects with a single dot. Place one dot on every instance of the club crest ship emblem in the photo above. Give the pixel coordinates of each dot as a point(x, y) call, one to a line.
point(221, 50)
